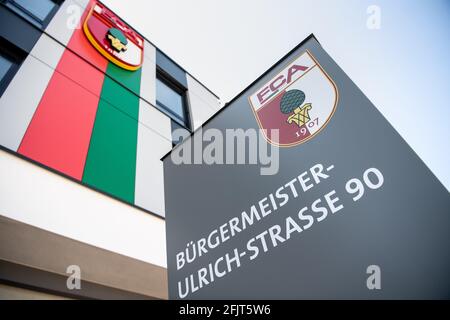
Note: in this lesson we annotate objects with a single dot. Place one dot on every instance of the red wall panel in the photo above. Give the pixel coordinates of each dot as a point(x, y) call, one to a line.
point(59, 133)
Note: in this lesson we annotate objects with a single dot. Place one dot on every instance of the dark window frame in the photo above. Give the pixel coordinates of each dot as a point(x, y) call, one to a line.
point(175, 86)
point(29, 16)
point(16, 57)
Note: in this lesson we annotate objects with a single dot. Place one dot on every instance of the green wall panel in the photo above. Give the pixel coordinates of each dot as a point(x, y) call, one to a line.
point(111, 161)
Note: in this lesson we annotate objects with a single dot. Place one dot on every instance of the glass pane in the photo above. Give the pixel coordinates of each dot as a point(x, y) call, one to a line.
point(39, 8)
point(169, 98)
point(178, 133)
point(5, 64)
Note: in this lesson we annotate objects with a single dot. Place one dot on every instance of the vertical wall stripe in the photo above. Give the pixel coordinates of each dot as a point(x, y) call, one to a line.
point(48, 51)
point(111, 161)
point(149, 168)
point(152, 143)
point(203, 104)
point(19, 102)
point(66, 20)
point(59, 133)
point(148, 80)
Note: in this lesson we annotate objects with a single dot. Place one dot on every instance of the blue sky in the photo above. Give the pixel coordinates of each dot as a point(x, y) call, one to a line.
point(403, 67)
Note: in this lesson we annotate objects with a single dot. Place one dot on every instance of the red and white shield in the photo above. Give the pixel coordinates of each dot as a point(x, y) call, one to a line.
point(113, 38)
point(299, 102)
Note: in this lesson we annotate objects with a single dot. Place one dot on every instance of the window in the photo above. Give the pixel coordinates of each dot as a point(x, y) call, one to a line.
point(37, 12)
point(10, 59)
point(5, 66)
point(171, 99)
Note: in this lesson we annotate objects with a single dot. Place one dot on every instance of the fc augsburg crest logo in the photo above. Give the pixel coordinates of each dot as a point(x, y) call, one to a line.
point(299, 102)
point(113, 38)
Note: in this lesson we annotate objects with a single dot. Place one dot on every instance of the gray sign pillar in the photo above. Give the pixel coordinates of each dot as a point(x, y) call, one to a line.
point(351, 212)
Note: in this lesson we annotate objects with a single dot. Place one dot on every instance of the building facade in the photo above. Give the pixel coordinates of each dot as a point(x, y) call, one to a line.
point(87, 109)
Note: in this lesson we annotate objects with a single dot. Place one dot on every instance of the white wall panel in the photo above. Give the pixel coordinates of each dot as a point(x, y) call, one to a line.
point(48, 51)
point(154, 140)
point(20, 100)
point(38, 197)
point(200, 111)
point(203, 103)
point(65, 21)
point(148, 77)
point(198, 90)
point(151, 147)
